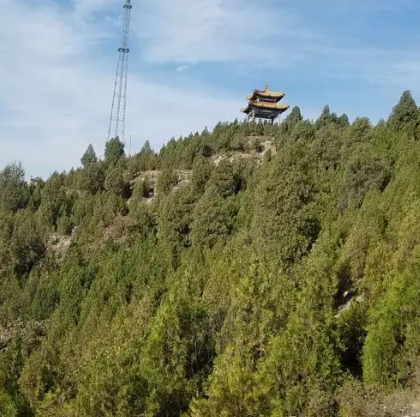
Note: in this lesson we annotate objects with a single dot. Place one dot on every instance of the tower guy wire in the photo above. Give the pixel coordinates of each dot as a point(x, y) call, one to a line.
point(119, 98)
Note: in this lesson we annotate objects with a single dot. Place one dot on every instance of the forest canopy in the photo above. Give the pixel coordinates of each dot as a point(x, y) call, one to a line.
point(255, 270)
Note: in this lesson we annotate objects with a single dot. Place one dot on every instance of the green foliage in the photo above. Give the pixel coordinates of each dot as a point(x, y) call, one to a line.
point(114, 150)
point(53, 197)
point(166, 181)
point(325, 118)
point(303, 130)
point(26, 245)
point(225, 180)
point(392, 343)
point(274, 272)
point(114, 182)
point(177, 351)
point(405, 115)
point(147, 159)
point(291, 120)
point(202, 170)
point(175, 218)
point(142, 189)
point(36, 186)
point(343, 121)
point(360, 131)
point(13, 190)
point(7, 406)
point(364, 172)
point(89, 157)
point(12, 360)
point(92, 178)
point(286, 220)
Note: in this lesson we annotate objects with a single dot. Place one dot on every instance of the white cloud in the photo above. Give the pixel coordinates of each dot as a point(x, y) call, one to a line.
point(87, 8)
point(276, 35)
point(182, 68)
point(215, 31)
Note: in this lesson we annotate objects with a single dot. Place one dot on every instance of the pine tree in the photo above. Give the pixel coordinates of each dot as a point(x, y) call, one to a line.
point(114, 182)
point(405, 115)
point(89, 157)
point(289, 123)
point(343, 120)
point(325, 117)
point(114, 150)
point(92, 178)
point(14, 194)
point(294, 116)
point(146, 148)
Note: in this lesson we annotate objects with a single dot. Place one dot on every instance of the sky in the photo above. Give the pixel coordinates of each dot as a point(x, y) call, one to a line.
point(191, 65)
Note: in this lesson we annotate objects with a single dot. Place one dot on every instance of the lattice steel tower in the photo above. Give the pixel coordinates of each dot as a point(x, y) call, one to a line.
point(119, 99)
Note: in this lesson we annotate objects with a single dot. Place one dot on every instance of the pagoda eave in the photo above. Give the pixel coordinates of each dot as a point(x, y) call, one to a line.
point(257, 94)
point(261, 113)
point(261, 106)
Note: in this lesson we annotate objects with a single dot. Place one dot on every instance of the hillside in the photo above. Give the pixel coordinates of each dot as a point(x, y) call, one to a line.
point(255, 270)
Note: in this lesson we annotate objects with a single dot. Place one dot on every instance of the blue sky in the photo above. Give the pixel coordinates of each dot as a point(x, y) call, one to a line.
point(192, 62)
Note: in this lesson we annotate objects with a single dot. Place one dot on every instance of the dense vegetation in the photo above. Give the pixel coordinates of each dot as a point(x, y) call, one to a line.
point(275, 282)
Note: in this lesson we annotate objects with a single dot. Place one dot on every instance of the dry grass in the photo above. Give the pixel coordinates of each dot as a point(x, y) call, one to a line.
point(357, 401)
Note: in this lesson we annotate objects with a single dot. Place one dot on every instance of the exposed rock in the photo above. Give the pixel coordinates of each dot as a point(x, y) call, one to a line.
point(59, 244)
point(257, 148)
point(184, 177)
point(31, 332)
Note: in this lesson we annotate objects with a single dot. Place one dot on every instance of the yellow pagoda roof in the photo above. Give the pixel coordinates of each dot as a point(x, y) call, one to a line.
point(266, 93)
point(266, 105)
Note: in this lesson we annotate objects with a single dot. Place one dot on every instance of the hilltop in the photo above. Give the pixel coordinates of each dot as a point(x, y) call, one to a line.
point(255, 270)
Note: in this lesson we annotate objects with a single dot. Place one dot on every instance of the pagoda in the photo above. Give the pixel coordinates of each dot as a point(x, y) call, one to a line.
point(264, 104)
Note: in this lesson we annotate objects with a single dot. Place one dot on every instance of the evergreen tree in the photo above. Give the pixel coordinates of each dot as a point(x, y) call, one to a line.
point(343, 121)
point(92, 178)
point(14, 193)
point(276, 285)
point(146, 148)
point(53, 197)
point(405, 115)
point(294, 116)
point(325, 118)
point(114, 182)
point(166, 181)
point(26, 246)
point(114, 150)
point(303, 130)
point(89, 157)
point(202, 170)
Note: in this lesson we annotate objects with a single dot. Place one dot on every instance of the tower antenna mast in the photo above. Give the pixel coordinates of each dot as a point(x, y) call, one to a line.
point(119, 99)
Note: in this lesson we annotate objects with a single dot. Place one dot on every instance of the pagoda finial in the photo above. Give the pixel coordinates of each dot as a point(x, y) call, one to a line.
point(266, 87)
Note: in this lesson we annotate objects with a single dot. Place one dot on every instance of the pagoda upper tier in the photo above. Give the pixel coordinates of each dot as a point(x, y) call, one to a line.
point(266, 95)
point(264, 104)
